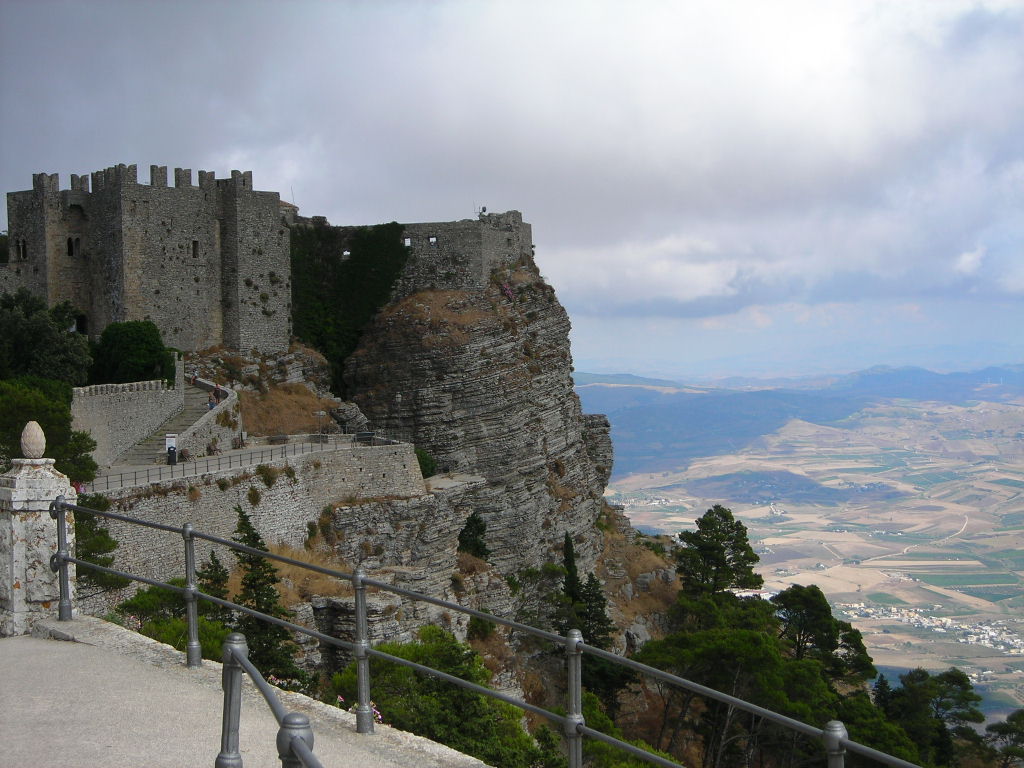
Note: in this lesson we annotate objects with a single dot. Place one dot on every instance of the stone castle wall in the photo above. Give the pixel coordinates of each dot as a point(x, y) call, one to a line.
point(209, 264)
point(282, 511)
point(461, 255)
point(117, 416)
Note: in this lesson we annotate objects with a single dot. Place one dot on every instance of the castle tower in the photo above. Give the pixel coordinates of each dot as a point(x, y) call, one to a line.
point(208, 263)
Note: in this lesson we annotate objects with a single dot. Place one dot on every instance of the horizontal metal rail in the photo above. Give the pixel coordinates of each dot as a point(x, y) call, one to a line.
point(833, 736)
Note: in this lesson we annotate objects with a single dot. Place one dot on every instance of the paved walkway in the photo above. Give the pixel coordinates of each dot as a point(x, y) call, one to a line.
point(130, 476)
point(117, 699)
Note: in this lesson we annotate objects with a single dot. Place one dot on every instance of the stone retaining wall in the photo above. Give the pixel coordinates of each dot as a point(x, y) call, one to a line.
point(304, 487)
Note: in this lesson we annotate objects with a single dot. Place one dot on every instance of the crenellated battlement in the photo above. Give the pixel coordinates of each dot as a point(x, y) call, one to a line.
point(127, 175)
point(156, 385)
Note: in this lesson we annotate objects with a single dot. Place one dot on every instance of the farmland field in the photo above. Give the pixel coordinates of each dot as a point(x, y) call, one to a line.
point(911, 516)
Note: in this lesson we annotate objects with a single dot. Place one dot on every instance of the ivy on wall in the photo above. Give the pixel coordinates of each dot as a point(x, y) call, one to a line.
point(340, 280)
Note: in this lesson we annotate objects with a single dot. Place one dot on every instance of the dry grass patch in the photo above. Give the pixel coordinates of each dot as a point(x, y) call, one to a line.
point(642, 560)
point(285, 409)
point(297, 584)
point(471, 563)
point(438, 308)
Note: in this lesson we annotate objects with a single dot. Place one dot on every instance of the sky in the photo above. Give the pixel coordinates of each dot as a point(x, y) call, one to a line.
point(716, 187)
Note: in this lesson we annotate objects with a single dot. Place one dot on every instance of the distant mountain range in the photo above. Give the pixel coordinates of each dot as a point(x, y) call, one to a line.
point(659, 425)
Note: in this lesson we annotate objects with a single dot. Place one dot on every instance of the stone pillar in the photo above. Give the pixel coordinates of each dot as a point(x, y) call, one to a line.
point(28, 537)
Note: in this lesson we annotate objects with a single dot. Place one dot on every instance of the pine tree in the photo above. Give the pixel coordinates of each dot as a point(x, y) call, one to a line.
point(596, 627)
point(212, 579)
point(271, 648)
point(472, 537)
point(93, 543)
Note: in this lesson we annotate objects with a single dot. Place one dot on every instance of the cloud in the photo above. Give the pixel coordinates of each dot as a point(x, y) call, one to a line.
point(967, 263)
point(677, 160)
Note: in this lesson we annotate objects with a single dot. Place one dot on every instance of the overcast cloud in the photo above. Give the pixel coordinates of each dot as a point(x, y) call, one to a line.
point(715, 187)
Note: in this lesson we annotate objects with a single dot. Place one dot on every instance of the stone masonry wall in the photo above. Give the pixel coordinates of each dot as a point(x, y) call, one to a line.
point(460, 255)
point(281, 511)
point(256, 281)
point(118, 416)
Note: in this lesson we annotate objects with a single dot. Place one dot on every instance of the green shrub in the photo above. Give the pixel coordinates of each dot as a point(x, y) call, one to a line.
point(428, 465)
point(468, 722)
point(267, 474)
point(479, 629)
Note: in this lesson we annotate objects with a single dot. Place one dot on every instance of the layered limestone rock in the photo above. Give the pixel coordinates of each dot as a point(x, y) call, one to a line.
point(481, 379)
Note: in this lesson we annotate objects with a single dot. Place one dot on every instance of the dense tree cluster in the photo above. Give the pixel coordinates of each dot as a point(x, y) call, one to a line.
point(42, 358)
point(131, 351)
point(469, 722)
point(790, 655)
point(47, 402)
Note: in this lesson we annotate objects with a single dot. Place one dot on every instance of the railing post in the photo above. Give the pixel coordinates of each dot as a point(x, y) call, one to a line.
point(59, 561)
point(574, 705)
point(193, 650)
point(231, 683)
point(834, 731)
point(364, 712)
point(294, 725)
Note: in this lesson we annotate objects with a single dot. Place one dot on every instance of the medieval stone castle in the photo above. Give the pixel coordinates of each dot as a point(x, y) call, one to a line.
point(208, 264)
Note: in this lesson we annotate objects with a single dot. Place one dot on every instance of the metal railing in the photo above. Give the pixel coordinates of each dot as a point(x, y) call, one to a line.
point(234, 460)
point(833, 737)
point(294, 735)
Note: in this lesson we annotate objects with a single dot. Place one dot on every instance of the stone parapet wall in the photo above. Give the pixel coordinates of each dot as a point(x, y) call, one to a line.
point(215, 429)
point(117, 416)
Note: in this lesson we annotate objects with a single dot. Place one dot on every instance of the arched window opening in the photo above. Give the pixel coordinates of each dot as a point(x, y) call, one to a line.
point(71, 247)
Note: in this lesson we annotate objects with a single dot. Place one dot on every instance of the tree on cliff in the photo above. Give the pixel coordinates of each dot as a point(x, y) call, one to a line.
point(717, 556)
point(809, 630)
point(473, 537)
point(1007, 740)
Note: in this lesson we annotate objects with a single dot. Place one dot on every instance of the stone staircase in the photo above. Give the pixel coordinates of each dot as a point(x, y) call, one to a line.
point(151, 450)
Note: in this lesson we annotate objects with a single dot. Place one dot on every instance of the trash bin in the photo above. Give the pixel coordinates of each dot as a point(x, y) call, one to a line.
point(172, 455)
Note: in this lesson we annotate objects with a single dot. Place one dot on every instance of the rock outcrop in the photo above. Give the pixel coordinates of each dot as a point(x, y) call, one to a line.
point(481, 379)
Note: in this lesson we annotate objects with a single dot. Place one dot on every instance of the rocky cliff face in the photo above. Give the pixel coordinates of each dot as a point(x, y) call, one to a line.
point(481, 378)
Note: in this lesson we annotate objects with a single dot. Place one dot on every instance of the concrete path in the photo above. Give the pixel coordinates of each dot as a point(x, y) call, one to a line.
point(115, 699)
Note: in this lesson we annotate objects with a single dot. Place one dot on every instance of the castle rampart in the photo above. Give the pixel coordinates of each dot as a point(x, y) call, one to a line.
point(283, 510)
point(209, 264)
